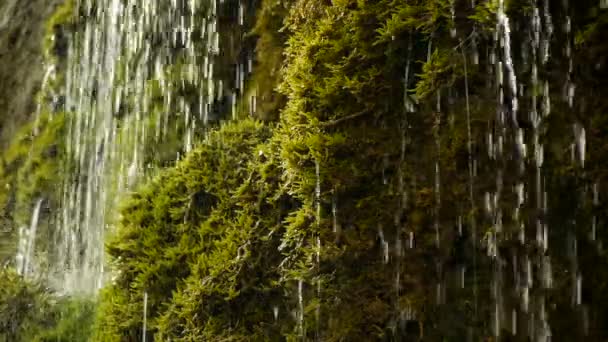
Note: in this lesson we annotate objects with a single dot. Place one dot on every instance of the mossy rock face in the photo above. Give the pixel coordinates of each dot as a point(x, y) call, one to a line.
point(353, 216)
point(31, 168)
point(196, 221)
point(32, 124)
point(16, 299)
point(22, 29)
point(251, 242)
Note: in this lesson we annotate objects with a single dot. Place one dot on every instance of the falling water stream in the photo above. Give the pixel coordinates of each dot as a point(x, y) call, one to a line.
point(144, 327)
point(139, 73)
point(27, 243)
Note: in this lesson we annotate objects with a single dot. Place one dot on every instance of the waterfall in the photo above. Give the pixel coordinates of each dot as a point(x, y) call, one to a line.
point(130, 71)
point(27, 242)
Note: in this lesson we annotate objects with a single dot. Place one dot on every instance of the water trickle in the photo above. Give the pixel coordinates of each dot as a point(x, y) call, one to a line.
point(27, 241)
point(521, 146)
point(579, 289)
point(318, 191)
point(547, 273)
point(411, 240)
point(300, 314)
point(144, 328)
point(334, 212)
point(571, 88)
point(460, 226)
point(437, 188)
point(596, 194)
point(463, 270)
point(453, 17)
point(580, 142)
point(49, 74)
point(514, 322)
point(384, 244)
point(504, 27)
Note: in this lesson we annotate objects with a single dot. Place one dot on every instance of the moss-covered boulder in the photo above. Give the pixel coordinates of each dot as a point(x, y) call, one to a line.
point(198, 241)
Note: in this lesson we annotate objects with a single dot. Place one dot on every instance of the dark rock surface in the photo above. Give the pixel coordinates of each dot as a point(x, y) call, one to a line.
point(22, 27)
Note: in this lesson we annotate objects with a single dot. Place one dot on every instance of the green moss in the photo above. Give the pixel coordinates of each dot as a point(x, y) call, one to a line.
point(30, 164)
point(424, 16)
point(202, 238)
point(72, 320)
point(441, 70)
point(270, 41)
point(31, 171)
point(320, 206)
point(20, 301)
point(590, 32)
point(485, 14)
point(30, 312)
point(57, 25)
point(185, 225)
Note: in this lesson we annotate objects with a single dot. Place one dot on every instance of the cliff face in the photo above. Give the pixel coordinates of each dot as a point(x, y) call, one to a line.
point(432, 173)
point(22, 27)
point(429, 170)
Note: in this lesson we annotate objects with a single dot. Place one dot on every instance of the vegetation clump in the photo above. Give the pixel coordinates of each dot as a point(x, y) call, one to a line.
point(29, 311)
point(381, 107)
point(199, 221)
point(29, 170)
